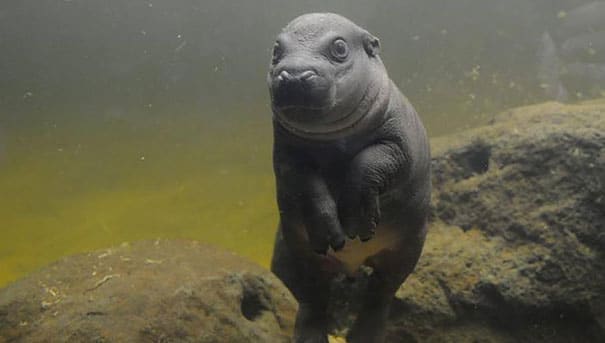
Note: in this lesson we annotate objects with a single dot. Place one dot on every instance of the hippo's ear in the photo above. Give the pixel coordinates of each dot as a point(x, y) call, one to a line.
point(371, 44)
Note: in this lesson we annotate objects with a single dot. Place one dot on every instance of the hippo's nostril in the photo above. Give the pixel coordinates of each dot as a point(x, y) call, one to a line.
point(305, 75)
point(292, 76)
point(284, 76)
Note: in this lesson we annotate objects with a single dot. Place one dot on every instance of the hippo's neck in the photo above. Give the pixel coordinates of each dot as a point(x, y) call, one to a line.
point(367, 114)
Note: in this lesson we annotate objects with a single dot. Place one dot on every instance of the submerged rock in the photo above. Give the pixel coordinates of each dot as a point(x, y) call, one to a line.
point(516, 249)
point(162, 291)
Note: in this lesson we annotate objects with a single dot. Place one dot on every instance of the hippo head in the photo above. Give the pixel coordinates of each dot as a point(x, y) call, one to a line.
point(325, 71)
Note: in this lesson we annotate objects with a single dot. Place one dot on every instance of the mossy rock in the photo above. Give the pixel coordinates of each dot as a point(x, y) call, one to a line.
point(150, 291)
point(516, 247)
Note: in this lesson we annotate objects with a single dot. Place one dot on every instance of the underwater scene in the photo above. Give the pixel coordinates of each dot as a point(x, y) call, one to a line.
point(151, 149)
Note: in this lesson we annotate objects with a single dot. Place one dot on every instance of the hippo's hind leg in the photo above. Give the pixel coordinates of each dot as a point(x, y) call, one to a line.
point(309, 288)
point(390, 269)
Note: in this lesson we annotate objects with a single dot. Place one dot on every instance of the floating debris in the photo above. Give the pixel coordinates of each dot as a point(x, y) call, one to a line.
point(102, 281)
point(108, 253)
point(561, 15)
point(52, 292)
point(181, 46)
point(474, 73)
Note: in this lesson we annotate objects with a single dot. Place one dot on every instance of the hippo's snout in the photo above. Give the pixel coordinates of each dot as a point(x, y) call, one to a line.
point(297, 80)
point(300, 88)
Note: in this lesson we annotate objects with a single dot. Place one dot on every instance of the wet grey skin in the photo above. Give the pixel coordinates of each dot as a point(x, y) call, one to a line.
point(351, 160)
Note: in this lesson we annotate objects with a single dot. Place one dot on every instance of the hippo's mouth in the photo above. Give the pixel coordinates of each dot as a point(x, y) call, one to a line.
point(294, 98)
point(293, 109)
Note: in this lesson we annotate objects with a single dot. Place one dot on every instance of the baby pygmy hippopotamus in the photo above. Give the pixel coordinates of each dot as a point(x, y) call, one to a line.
point(352, 168)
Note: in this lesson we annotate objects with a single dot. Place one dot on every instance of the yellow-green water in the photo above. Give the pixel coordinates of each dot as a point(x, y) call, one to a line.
point(72, 185)
point(77, 182)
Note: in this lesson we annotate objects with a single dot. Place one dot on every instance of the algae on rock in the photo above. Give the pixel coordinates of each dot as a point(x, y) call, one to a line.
point(516, 248)
point(162, 291)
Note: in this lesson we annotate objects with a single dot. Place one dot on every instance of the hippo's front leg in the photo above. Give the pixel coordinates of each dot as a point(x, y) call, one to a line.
point(370, 172)
point(309, 225)
point(304, 198)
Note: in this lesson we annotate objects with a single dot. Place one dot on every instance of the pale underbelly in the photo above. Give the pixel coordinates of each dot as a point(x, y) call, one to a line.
point(355, 252)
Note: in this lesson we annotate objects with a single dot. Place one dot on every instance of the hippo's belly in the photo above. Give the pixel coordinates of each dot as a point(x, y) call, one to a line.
point(355, 252)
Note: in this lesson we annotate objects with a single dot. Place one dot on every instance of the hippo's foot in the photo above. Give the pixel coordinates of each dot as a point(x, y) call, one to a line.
point(367, 332)
point(310, 326)
point(370, 326)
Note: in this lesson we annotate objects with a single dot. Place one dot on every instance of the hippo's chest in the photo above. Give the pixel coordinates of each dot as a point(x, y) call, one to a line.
point(334, 162)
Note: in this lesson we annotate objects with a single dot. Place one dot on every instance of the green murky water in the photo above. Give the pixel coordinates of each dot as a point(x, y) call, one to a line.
point(76, 183)
point(71, 185)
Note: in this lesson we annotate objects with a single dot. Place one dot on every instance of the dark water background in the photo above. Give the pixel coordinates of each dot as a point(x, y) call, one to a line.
point(123, 120)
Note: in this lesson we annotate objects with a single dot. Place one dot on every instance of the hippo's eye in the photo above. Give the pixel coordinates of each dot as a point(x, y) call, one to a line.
point(277, 52)
point(339, 49)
